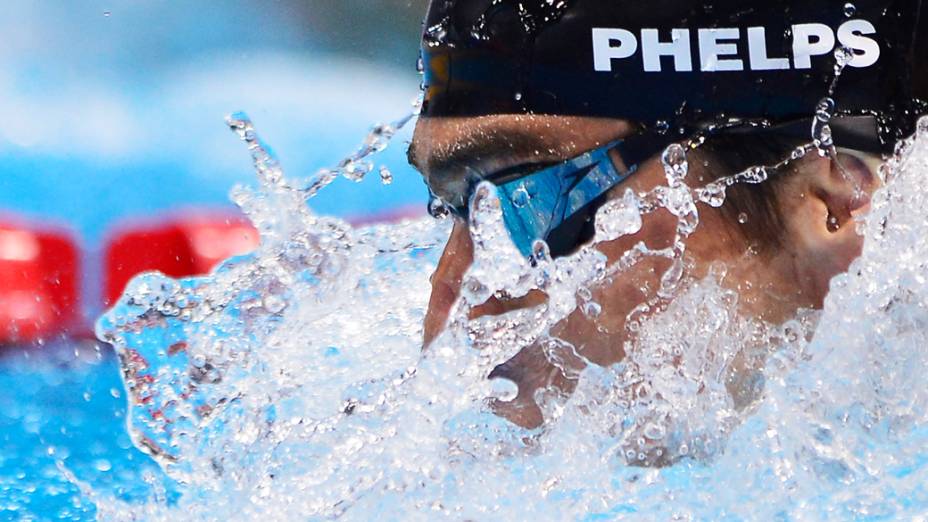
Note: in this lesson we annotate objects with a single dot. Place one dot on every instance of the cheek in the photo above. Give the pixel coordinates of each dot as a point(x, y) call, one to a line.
point(601, 338)
point(827, 261)
point(625, 292)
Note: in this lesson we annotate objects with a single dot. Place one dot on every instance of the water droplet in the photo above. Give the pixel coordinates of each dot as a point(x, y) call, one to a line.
point(503, 389)
point(755, 174)
point(357, 170)
point(742, 218)
point(921, 127)
point(386, 177)
point(822, 137)
point(843, 56)
point(821, 130)
point(437, 34)
point(654, 431)
point(106, 13)
point(541, 253)
point(618, 217)
point(518, 96)
point(437, 208)
point(584, 293)
point(274, 303)
point(592, 309)
point(850, 9)
point(713, 194)
point(825, 109)
point(674, 159)
point(520, 197)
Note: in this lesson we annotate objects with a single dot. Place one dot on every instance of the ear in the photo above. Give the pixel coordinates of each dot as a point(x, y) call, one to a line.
point(821, 205)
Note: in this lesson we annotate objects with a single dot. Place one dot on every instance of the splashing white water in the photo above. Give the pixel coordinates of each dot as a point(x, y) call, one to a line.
point(291, 383)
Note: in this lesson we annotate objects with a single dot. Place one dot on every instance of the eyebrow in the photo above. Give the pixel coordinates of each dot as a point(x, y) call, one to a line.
point(480, 145)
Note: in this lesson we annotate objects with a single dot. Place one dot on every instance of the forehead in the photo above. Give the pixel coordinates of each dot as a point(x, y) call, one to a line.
point(438, 141)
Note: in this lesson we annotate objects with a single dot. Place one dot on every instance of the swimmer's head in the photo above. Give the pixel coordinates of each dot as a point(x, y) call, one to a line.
point(675, 65)
point(519, 90)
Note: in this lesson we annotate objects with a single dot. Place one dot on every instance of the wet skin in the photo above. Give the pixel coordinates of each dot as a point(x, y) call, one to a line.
point(819, 204)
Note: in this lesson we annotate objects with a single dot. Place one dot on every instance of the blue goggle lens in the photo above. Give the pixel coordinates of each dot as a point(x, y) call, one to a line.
point(541, 205)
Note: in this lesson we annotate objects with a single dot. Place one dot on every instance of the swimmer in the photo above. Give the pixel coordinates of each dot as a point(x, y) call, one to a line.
point(582, 96)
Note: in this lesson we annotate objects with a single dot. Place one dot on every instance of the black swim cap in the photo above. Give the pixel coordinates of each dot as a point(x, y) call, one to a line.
point(677, 67)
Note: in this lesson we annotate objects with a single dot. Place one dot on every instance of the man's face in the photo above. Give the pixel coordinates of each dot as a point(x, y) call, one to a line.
point(445, 149)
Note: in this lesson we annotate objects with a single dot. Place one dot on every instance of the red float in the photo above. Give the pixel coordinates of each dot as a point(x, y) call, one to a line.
point(39, 271)
point(189, 244)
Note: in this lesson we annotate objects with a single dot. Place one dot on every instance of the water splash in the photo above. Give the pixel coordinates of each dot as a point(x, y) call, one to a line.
point(291, 383)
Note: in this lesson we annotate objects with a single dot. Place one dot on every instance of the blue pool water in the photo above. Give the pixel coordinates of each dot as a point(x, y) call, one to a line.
point(64, 401)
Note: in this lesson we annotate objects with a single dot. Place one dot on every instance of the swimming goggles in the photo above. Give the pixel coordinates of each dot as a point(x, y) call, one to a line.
point(556, 204)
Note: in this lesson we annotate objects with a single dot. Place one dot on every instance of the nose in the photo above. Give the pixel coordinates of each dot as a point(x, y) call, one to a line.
point(446, 281)
point(446, 287)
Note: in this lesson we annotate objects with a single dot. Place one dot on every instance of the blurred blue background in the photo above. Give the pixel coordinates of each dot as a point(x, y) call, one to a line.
point(111, 110)
point(116, 108)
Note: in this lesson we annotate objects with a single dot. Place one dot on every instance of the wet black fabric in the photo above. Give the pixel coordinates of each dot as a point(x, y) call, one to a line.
point(536, 56)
